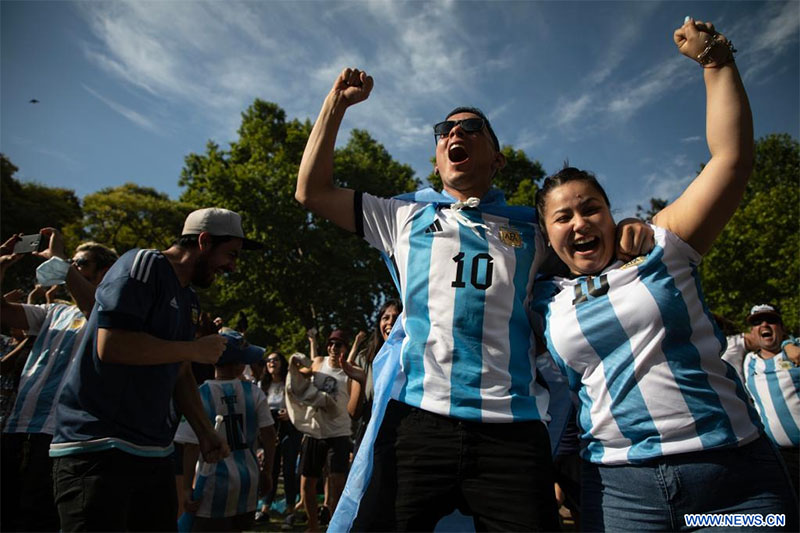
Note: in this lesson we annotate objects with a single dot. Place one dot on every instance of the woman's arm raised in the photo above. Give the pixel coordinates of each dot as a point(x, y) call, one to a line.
point(700, 213)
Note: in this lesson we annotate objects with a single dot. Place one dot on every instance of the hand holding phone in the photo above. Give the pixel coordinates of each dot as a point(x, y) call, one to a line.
point(30, 243)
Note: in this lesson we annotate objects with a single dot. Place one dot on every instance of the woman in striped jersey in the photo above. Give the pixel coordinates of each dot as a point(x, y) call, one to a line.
point(662, 418)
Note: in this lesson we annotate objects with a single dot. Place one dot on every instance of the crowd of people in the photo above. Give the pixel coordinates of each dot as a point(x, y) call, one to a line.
point(127, 408)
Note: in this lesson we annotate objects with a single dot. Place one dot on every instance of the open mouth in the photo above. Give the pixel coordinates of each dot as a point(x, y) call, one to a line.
point(766, 334)
point(585, 244)
point(457, 153)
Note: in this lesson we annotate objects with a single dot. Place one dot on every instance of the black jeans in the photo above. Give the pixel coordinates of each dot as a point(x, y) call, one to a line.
point(27, 486)
point(115, 491)
point(427, 465)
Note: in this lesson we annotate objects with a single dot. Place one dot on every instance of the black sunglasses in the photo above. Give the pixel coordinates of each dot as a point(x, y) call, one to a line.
point(335, 344)
point(769, 319)
point(80, 262)
point(469, 125)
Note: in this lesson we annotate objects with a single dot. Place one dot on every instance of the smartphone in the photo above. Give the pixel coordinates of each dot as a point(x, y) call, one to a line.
point(30, 243)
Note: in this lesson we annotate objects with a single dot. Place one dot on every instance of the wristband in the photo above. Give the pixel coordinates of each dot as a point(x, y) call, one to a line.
point(785, 343)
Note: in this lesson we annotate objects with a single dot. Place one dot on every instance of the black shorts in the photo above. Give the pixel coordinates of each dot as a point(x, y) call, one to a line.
point(316, 453)
point(427, 465)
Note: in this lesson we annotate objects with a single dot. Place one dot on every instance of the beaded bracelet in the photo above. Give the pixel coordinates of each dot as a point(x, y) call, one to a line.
point(712, 45)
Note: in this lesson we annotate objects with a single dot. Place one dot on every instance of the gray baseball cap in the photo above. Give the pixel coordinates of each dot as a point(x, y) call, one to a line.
point(219, 222)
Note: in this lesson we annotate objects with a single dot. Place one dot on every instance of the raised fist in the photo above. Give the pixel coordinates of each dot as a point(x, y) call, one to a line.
point(352, 86)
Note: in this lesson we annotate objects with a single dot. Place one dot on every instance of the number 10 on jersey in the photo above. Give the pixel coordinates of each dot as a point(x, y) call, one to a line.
point(480, 275)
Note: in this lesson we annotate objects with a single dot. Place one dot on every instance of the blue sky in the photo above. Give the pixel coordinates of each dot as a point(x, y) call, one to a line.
point(128, 89)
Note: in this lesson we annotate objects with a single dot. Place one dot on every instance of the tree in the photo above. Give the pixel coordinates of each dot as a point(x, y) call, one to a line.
point(129, 216)
point(518, 179)
point(310, 273)
point(656, 205)
point(756, 259)
point(27, 207)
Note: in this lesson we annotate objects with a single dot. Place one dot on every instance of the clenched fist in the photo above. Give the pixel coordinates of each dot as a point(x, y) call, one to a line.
point(352, 86)
point(208, 349)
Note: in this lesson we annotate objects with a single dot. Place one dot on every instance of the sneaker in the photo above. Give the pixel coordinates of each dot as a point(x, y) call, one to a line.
point(324, 515)
point(288, 523)
point(262, 516)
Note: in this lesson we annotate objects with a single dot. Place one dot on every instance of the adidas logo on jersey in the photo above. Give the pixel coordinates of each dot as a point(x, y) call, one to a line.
point(435, 227)
point(173, 303)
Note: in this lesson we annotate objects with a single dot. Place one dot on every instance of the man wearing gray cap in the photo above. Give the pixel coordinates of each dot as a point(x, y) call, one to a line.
point(115, 420)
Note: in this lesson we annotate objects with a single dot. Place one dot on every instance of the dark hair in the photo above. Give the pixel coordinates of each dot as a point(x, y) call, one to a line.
point(267, 379)
point(565, 175)
point(191, 241)
point(376, 339)
point(102, 255)
point(476, 111)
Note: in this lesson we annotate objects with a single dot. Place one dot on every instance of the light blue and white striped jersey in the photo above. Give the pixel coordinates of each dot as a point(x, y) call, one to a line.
point(464, 277)
point(642, 351)
point(59, 329)
point(774, 385)
point(230, 487)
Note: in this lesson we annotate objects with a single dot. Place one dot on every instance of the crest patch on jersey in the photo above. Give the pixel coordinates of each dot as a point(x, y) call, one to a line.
point(77, 323)
point(636, 261)
point(511, 237)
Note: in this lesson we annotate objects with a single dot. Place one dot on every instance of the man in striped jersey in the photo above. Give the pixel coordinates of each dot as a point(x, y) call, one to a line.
point(772, 377)
point(114, 420)
point(224, 496)
point(464, 426)
point(27, 494)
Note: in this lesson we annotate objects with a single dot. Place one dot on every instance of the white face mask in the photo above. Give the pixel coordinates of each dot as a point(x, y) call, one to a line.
point(52, 272)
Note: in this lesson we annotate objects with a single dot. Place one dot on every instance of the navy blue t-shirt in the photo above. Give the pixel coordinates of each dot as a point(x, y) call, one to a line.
point(106, 405)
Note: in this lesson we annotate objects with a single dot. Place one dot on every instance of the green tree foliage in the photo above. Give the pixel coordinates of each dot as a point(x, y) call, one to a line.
point(756, 259)
point(129, 216)
point(27, 207)
point(518, 179)
point(656, 205)
point(310, 272)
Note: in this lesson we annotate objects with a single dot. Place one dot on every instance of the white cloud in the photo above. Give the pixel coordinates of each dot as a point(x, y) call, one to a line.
point(667, 76)
point(569, 110)
point(135, 117)
point(693, 139)
point(769, 34)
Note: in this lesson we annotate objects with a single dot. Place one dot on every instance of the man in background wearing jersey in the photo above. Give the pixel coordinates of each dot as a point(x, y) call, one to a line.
point(114, 421)
point(464, 428)
point(772, 378)
point(27, 489)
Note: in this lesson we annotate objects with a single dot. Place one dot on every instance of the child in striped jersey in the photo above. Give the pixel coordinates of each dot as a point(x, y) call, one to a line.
point(224, 495)
point(662, 418)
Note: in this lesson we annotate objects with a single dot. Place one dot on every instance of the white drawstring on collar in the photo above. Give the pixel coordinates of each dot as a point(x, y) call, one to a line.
point(455, 210)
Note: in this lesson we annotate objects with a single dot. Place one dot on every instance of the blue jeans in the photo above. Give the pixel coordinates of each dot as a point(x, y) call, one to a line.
point(654, 496)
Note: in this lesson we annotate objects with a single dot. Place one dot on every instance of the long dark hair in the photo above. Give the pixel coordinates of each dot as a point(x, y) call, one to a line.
point(267, 379)
point(376, 339)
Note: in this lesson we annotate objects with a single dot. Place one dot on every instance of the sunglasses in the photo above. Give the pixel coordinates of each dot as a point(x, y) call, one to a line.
point(272, 360)
point(469, 125)
point(80, 262)
point(769, 319)
point(335, 344)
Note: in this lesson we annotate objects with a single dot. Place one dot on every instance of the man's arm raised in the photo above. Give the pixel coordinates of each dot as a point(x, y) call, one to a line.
point(315, 187)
